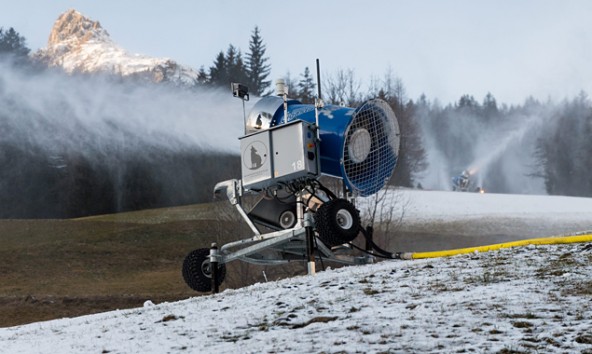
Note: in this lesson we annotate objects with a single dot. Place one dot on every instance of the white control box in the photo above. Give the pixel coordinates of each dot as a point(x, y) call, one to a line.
point(280, 154)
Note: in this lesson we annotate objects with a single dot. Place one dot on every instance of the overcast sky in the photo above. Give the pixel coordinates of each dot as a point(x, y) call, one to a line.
point(444, 49)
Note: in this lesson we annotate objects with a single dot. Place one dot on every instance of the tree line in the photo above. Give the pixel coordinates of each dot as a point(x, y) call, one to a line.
point(230, 66)
point(564, 153)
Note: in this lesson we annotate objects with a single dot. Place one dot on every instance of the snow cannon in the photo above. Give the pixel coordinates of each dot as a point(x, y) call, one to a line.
point(464, 182)
point(359, 145)
point(286, 149)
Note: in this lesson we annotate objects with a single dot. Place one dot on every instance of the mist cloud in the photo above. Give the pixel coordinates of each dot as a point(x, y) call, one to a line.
point(52, 110)
point(71, 140)
point(499, 153)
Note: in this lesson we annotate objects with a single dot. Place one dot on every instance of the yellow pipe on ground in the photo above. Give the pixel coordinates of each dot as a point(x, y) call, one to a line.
point(534, 241)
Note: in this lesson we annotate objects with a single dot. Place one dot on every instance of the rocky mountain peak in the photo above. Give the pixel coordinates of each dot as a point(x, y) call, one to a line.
point(72, 26)
point(79, 44)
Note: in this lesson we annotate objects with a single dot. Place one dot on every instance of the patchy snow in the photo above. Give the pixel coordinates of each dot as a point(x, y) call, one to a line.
point(529, 299)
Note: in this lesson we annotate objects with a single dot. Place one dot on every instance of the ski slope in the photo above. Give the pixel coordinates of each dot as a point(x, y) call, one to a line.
point(527, 299)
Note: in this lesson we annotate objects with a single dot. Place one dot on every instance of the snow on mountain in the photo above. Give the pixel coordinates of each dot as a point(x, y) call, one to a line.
point(520, 300)
point(80, 45)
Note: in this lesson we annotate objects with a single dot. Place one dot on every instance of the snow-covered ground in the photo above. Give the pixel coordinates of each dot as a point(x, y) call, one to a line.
point(529, 299)
point(424, 205)
point(434, 220)
point(419, 206)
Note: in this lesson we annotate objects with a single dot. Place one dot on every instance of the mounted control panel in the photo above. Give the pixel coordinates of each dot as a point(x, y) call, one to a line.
point(279, 155)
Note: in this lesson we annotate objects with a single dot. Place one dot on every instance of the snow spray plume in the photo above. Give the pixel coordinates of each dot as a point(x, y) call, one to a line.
point(498, 153)
point(507, 147)
point(78, 145)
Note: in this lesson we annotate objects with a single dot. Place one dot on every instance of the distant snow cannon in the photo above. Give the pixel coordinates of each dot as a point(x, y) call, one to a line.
point(463, 182)
point(286, 148)
point(359, 145)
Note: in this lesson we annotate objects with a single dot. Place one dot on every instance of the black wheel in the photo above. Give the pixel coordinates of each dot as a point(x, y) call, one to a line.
point(197, 273)
point(337, 221)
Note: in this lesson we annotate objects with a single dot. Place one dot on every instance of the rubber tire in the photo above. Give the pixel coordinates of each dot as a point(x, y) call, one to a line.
point(327, 222)
point(194, 274)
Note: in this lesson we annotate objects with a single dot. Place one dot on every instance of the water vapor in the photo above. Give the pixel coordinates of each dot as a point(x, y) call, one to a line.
point(93, 112)
point(143, 144)
point(498, 153)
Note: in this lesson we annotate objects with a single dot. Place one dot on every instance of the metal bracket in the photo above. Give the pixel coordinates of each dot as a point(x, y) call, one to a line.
point(234, 190)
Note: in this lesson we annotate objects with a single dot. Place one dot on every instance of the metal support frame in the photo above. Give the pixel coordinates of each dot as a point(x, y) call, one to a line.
point(310, 243)
point(295, 244)
point(214, 260)
point(266, 241)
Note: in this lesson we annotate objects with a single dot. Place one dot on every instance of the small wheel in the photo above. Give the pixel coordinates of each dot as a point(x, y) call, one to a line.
point(287, 219)
point(197, 273)
point(337, 221)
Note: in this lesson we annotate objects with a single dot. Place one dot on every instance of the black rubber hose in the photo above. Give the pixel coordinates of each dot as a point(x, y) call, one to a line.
point(375, 247)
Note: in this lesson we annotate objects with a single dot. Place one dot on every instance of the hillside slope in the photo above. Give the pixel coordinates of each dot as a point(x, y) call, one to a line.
point(519, 300)
point(57, 268)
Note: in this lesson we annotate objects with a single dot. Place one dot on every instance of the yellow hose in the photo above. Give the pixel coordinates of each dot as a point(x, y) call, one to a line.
point(534, 241)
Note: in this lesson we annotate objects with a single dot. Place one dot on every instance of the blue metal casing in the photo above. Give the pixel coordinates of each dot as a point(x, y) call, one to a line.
point(379, 142)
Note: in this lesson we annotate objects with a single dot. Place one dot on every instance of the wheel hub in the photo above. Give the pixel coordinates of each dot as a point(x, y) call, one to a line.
point(206, 269)
point(344, 219)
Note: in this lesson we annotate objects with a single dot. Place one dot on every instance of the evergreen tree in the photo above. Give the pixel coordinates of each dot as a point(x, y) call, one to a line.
point(231, 57)
point(490, 106)
point(218, 72)
point(202, 76)
point(228, 68)
point(13, 43)
point(564, 153)
point(412, 154)
point(236, 66)
point(306, 87)
point(467, 102)
point(257, 66)
point(231, 67)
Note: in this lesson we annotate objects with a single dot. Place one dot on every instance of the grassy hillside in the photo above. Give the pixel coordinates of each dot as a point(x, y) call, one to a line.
point(56, 268)
point(63, 268)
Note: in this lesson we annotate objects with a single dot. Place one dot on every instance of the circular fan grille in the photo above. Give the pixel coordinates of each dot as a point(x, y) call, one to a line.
point(371, 148)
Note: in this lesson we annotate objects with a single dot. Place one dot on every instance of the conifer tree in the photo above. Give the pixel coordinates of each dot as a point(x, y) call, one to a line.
point(235, 66)
point(229, 67)
point(202, 76)
point(257, 66)
point(13, 43)
point(218, 72)
point(306, 87)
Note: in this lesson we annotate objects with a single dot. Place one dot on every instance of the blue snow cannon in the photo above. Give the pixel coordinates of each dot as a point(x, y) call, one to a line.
point(359, 145)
